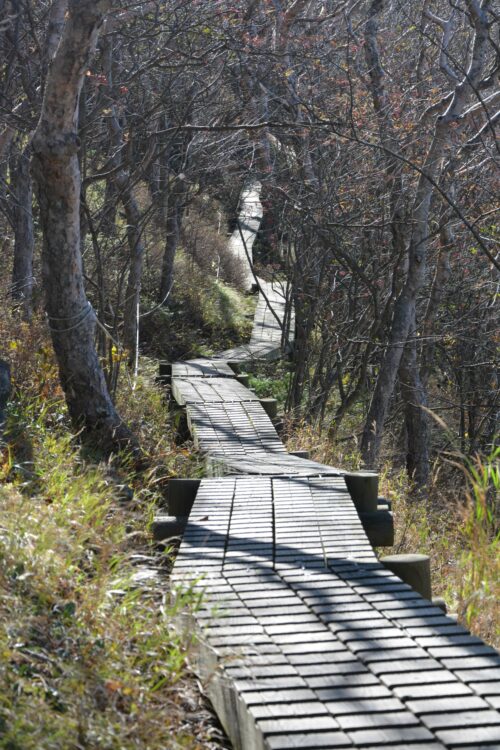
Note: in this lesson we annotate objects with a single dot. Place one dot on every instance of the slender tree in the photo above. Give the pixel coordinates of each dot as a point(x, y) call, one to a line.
point(56, 168)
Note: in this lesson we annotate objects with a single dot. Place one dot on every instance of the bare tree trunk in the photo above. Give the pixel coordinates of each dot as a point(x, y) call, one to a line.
point(417, 426)
point(57, 173)
point(119, 187)
point(107, 216)
point(4, 393)
point(441, 276)
point(387, 133)
point(6, 138)
point(54, 30)
point(171, 242)
point(22, 217)
point(174, 211)
point(133, 291)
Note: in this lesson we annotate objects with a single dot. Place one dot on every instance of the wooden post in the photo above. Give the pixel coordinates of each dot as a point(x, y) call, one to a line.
point(270, 406)
point(384, 504)
point(363, 488)
point(181, 494)
point(379, 527)
point(415, 570)
point(168, 527)
point(279, 425)
point(180, 423)
point(438, 601)
point(165, 373)
point(243, 378)
point(301, 454)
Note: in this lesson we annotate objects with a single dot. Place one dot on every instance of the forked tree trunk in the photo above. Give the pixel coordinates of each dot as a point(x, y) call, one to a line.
point(57, 173)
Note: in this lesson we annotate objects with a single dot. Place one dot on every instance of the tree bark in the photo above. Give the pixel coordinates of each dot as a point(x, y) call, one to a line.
point(439, 282)
point(417, 425)
point(174, 211)
point(22, 218)
point(54, 31)
point(5, 388)
point(57, 173)
point(133, 291)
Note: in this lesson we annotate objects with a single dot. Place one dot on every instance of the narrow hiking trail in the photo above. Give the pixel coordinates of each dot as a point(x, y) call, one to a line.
point(306, 639)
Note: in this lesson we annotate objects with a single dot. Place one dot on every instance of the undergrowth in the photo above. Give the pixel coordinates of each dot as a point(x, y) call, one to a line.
point(205, 316)
point(89, 656)
point(270, 380)
point(458, 528)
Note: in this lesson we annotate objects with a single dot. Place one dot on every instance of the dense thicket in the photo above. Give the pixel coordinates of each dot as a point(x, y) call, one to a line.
point(371, 126)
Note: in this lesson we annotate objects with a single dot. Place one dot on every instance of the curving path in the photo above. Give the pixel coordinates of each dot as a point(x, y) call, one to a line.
point(306, 640)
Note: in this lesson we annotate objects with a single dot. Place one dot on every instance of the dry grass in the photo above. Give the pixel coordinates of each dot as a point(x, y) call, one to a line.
point(206, 315)
point(207, 246)
point(89, 657)
point(459, 531)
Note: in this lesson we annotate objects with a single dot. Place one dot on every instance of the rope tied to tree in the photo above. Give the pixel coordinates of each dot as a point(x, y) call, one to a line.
point(80, 318)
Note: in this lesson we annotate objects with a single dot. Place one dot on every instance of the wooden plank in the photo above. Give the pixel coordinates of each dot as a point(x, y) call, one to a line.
point(201, 368)
point(212, 390)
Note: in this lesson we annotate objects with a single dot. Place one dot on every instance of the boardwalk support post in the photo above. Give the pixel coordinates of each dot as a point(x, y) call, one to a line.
point(384, 504)
point(180, 423)
point(415, 570)
point(379, 527)
point(270, 406)
point(165, 373)
point(363, 489)
point(168, 527)
point(181, 494)
point(243, 378)
point(438, 601)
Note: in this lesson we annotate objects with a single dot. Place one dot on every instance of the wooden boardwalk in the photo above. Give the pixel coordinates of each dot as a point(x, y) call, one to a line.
point(242, 239)
point(306, 640)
